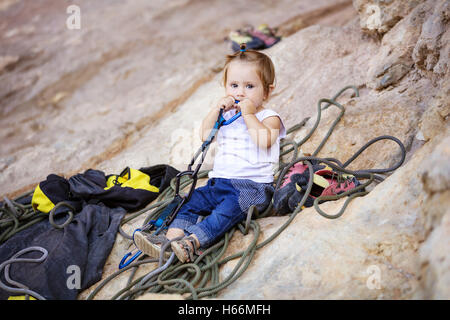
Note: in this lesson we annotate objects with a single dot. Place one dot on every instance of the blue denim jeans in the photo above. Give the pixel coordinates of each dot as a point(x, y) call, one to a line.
point(223, 203)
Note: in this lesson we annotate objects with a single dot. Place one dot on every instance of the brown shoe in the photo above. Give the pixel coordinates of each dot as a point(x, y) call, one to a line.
point(185, 249)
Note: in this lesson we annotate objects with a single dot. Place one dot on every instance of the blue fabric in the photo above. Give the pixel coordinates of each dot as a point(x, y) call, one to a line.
point(223, 203)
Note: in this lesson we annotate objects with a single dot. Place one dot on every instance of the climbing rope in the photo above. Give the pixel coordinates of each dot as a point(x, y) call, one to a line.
point(200, 278)
point(15, 216)
point(21, 288)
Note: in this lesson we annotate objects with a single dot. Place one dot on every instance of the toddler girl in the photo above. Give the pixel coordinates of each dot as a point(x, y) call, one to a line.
point(242, 174)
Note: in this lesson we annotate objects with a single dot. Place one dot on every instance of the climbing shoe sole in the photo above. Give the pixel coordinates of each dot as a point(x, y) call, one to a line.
point(149, 248)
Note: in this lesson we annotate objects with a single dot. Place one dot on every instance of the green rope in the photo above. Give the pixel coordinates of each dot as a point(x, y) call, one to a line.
point(15, 216)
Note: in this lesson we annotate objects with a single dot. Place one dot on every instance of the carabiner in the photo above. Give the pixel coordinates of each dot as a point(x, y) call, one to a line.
point(224, 122)
point(193, 174)
point(227, 122)
point(123, 263)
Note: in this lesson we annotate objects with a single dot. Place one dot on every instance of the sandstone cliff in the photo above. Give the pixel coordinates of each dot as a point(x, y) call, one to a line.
point(71, 101)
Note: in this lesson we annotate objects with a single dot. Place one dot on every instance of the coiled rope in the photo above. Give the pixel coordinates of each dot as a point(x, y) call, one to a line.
point(15, 216)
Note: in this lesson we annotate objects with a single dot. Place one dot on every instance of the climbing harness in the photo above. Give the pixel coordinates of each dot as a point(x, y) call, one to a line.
point(169, 213)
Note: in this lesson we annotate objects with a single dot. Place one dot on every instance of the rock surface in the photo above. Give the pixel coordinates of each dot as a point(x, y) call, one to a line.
point(150, 99)
point(100, 88)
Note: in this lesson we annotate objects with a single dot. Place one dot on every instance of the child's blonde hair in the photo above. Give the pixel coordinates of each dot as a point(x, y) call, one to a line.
point(264, 64)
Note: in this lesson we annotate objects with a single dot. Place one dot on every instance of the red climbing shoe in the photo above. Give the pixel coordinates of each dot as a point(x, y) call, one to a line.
point(297, 168)
point(337, 186)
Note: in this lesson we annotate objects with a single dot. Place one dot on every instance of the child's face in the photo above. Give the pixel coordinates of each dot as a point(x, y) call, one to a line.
point(244, 83)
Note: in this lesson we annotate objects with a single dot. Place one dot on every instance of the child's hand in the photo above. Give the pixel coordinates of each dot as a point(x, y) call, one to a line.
point(246, 106)
point(226, 103)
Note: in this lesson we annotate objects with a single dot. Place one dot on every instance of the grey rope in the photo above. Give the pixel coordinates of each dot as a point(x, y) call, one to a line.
point(22, 289)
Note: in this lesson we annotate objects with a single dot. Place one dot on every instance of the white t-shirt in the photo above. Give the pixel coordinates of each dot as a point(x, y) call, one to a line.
point(238, 157)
